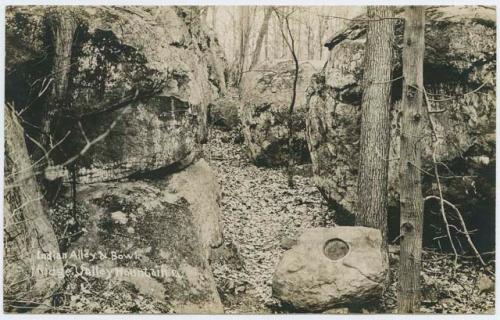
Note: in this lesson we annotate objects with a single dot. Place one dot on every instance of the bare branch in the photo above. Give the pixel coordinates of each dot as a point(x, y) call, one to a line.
point(291, 46)
point(96, 140)
point(449, 98)
point(436, 173)
point(83, 132)
point(464, 227)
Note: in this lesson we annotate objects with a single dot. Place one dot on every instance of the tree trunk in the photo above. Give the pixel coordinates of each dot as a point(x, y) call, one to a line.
point(410, 161)
point(260, 38)
point(266, 46)
point(321, 33)
point(244, 40)
point(291, 163)
point(290, 43)
point(375, 122)
point(299, 39)
point(310, 40)
point(284, 49)
point(277, 39)
point(27, 231)
point(62, 27)
point(214, 18)
point(235, 40)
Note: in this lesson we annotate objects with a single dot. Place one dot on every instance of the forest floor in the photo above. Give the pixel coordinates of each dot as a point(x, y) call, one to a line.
point(261, 213)
point(261, 216)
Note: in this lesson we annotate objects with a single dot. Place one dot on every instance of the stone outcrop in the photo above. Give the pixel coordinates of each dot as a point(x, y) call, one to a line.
point(264, 111)
point(332, 268)
point(167, 86)
point(156, 236)
point(459, 70)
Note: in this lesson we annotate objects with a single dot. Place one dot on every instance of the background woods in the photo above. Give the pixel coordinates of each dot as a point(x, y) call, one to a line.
point(252, 34)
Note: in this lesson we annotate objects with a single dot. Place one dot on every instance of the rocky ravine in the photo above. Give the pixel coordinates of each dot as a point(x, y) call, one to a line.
point(261, 216)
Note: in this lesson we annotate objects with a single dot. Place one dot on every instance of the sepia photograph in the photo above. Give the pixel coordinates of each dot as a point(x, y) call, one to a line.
point(249, 159)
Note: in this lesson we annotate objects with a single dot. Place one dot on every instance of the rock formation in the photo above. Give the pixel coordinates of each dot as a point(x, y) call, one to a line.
point(128, 136)
point(459, 76)
point(264, 111)
point(167, 86)
point(332, 268)
point(162, 231)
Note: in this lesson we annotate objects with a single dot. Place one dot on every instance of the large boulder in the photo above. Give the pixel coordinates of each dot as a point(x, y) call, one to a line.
point(460, 59)
point(266, 93)
point(332, 268)
point(167, 86)
point(154, 236)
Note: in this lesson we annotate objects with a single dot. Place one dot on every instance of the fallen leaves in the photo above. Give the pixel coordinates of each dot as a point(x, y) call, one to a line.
point(262, 216)
point(445, 289)
point(259, 211)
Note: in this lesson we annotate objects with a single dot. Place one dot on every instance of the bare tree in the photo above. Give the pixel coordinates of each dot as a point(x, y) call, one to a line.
point(284, 21)
point(245, 29)
point(375, 121)
point(410, 161)
point(214, 17)
point(266, 46)
point(310, 35)
point(298, 32)
point(277, 39)
point(260, 38)
point(321, 34)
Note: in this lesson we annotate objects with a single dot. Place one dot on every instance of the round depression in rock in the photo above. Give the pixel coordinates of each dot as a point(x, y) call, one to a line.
point(335, 249)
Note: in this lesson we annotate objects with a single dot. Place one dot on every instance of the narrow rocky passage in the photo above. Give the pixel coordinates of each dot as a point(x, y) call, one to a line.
point(261, 215)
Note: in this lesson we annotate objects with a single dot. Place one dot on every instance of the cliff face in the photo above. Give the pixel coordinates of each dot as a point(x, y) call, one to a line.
point(459, 75)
